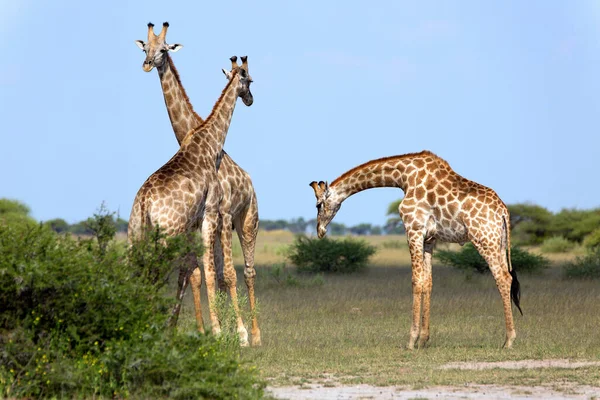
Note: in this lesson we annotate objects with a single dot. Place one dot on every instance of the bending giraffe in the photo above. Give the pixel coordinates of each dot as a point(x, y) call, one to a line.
point(439, 204)
point(184, 194)
point(238, 207)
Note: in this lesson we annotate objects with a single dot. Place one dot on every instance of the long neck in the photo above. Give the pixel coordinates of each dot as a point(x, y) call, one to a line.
point(181, 113)
point(384, 172)
point(215, 127)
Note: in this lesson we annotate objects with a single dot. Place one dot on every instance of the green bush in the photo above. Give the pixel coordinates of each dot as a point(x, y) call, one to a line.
point(557, 244)
point(469, 259)
point(13, 212)
point(328, 255)
point(592, 241)
point(586, 267)
point(79, 321)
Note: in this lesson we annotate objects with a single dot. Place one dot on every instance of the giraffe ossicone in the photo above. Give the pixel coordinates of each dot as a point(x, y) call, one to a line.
point(439, 204)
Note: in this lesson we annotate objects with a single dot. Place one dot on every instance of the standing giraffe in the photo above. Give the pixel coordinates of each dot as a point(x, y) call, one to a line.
point(184, 194)
point(238, 206)
point(439, 204)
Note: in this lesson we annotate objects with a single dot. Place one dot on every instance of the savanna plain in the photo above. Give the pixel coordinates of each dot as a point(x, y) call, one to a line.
point(352, 329)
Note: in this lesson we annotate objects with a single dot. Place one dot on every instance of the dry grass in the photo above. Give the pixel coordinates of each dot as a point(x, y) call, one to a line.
point(355, 327)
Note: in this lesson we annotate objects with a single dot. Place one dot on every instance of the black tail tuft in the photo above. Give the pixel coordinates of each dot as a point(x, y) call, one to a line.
point(515, 290)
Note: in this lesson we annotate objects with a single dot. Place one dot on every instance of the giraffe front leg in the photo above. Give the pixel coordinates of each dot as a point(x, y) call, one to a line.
point(209, 228)
point(196, 282)
point(415, 244)
point(182, 284)
point(424, 334)
point(230, 276)
point(219, 262)
point(247, 229)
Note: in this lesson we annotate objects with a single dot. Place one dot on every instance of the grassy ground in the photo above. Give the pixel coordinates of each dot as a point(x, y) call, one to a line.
point(354, 328)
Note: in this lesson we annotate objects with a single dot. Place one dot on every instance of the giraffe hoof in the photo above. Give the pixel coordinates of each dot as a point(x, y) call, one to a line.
point(256, 339)
point(243, 335)
point(423, 342)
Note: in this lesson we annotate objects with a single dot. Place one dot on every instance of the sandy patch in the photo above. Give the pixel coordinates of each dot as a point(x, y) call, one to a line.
point(522, 364)
point(495, 392)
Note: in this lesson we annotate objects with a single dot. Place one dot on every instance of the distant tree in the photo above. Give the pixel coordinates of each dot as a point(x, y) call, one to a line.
point(121, 225)
point(394, 223)
point(530, 223)
point(337, 228)
point(360, 229)
point(297, 225)
point(575, 224)
point(80, 228)
point(376, 230)
point(270, 225)
point(58, 225)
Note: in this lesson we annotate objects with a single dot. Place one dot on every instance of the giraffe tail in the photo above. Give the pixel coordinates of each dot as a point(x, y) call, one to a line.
point(515, 286)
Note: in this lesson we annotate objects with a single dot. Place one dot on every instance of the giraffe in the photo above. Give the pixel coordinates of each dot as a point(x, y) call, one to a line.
point(238, 207)
point(184, 194)
point(439, 204)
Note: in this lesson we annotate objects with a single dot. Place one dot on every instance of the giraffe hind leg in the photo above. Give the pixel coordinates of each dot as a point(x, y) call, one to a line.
point(247, 229)
point(415, 243)
point(498, 264)
point(424, 334)
point(230, 276)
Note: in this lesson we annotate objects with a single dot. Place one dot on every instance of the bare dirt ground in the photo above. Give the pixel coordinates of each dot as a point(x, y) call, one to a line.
point(332, 391)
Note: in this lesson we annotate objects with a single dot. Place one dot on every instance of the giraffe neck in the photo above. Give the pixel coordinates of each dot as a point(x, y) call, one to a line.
point(215, 127)
point(384, 172)
point(181, 113)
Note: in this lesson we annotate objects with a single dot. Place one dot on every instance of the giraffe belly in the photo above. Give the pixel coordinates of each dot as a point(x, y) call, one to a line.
point(454, 234)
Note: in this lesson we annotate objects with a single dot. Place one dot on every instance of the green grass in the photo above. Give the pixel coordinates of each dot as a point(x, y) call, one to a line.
point(355, 327)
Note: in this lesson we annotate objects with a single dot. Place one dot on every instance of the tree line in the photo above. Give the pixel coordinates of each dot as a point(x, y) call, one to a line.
point(531, 224)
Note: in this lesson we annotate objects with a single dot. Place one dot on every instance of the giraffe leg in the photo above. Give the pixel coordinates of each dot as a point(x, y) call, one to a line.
point(219, 262)
point(196, 282)
point(230, 276)
point(247, 230)
point(498, 264)
point(415, 244)
point(182, 284)
point(424, 334)
point(209, 228)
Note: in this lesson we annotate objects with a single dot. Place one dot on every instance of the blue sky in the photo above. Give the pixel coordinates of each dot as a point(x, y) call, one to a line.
point(507, 92)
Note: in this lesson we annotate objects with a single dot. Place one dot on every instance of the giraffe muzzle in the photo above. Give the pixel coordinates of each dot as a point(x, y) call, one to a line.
point(148, 66)
point(321, 232)
point(248, 99)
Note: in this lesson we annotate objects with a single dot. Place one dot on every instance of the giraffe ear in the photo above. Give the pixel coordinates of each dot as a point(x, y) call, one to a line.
point(175, 47)
point(227, 74)
point(140, 44)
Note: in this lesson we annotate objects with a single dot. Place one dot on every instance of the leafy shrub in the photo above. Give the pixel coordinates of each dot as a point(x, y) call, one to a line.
point(592, 241)
point(78, 321)
point(469, 259)
point(586, 267)
point(13, 212)
point(557, 244)
point(327, 255)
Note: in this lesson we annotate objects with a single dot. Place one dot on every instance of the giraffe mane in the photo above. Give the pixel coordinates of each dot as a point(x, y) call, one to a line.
point(385, 159)
point(212, 112)
point(185, 96)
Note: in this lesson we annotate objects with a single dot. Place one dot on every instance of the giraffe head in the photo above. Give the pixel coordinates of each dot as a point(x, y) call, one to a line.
point(156, 48)
point(327, 206)
point(244, 80)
